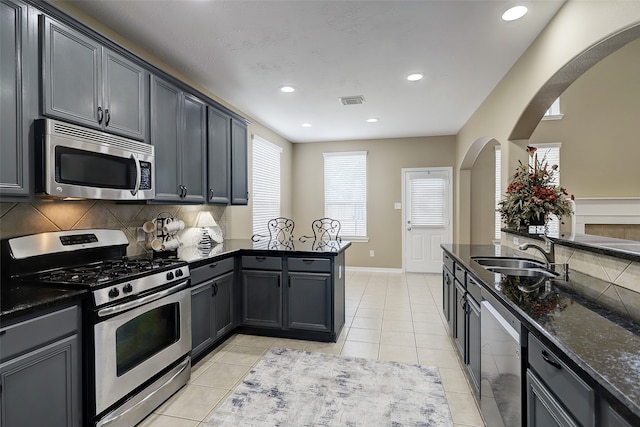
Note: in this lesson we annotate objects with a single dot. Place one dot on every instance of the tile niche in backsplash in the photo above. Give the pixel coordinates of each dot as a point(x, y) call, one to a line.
point(44, 215)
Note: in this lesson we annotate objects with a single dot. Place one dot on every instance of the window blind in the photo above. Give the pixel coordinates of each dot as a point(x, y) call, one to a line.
point(345, 191)
point(266, 183)
point(428, 201)
point(550, 154)
point(498, 192)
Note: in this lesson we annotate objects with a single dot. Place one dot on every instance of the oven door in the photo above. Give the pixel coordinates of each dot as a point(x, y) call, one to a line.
point(137, 340)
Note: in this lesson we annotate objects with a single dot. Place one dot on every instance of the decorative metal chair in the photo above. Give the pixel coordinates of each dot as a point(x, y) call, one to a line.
point(280, 233)
point(324, 230)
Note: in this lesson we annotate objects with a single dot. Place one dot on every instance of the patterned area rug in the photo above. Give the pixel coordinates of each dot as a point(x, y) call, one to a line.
point(298, 388)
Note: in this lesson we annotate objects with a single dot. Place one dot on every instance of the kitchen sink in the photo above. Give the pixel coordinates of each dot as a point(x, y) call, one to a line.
point(522, 267)
point(519, 263)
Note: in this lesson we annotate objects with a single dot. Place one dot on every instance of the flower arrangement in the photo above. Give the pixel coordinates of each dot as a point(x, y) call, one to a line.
point(532, 195)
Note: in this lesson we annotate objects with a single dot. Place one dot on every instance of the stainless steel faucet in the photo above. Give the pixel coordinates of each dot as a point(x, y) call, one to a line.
point(549, 253)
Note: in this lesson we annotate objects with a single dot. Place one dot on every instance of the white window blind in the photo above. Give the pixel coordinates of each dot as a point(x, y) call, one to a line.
point(498, 192)
point(345, 191)
point(550, 154)
point(266, 183)
point(553, 113)
point(428, 201)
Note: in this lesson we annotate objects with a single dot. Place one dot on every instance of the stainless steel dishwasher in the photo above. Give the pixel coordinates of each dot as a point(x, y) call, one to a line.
point(500, 366)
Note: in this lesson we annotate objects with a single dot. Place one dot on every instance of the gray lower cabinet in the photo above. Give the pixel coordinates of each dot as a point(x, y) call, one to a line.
point(262, 298)
point(212, 312)
point(86, 83)
point(309, 301)
point(239, 179)
point(543, 409)
point(611, 418)
point(178, 131)
point(460, 318)
point(40, 371)
point(473, 341)
point(447, 297)
point(18, 79)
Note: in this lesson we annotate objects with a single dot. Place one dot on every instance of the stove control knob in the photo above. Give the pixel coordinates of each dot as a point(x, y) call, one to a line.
point(169, 276)
point(113, 292)
point(127, 288)
point(179, 273)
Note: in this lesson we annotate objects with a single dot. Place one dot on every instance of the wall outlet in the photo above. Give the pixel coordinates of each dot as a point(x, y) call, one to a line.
point(516, 241)
point(397, 205)
point(371, 253)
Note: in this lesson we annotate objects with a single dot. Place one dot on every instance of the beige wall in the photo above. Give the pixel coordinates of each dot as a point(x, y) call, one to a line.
point(483, 196)
point(385, 160)
point(600, 128)
point(577, 26)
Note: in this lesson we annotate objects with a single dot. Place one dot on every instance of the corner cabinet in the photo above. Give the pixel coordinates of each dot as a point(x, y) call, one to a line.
point(18, 104)
point(239, 156)
point(40, 371)
point(88, 84)
point(212, 304)
point(178, 131)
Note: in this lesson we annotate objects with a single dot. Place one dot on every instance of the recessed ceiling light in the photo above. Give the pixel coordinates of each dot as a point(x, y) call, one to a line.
point(514, 13)
point(372, 120)
point(306, 125)
point(414, 77)
point(287, 89)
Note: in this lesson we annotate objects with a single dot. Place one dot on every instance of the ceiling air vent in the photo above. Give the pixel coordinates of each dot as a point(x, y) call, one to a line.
point(351, 100)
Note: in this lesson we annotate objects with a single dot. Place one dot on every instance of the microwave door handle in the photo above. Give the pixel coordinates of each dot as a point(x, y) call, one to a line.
point(138, 173)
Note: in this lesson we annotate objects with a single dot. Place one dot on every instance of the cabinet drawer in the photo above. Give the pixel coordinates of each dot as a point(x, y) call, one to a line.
point(209, 271)
point(310, 264)
point(577, 397)
point(25, 336)
point(262, 262)
point(474, 288)
point(460, 274)
point(448, 261)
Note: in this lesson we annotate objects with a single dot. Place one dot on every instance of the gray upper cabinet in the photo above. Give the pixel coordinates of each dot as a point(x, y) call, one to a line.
point(239, 180)
point(219, 158)
point(85, 83)
point(18, 60)
point(178, 131)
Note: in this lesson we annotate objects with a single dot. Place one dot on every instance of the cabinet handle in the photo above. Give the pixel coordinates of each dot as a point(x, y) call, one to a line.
point(215, 289)
point(100, 115)
point(185, 191)
point(545, 357)
point(211, 193)
point(289, 281)
point(214, 265)
point(279, 279)
point(307, 261)
point(107, 117)
point(261, 258)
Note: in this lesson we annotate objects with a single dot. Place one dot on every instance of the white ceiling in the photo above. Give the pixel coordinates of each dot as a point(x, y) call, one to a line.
point(244, 51)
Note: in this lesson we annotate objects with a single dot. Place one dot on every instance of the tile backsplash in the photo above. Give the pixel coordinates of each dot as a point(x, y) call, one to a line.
point(44, 215)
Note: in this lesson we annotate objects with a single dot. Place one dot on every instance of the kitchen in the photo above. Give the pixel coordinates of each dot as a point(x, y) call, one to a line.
point(109, 215)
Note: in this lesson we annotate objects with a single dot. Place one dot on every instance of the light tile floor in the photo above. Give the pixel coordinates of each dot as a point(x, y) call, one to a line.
point(394, 317)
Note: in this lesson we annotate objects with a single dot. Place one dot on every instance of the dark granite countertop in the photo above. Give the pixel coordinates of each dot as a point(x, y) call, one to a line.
point(231, 247)
point(18, 300)
point(601, 343)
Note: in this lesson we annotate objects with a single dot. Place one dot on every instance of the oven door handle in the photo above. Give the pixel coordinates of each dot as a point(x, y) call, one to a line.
point(138, 175)
point(144, 300)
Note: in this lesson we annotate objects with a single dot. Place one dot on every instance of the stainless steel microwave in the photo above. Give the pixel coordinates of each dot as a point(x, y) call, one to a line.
point(77, 162)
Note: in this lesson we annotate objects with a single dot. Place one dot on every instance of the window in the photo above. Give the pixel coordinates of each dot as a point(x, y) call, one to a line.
point(553, 113)
point(550, 153)
point(498, 196)
point(428, 200)
point(266, 184)
point(345, 191)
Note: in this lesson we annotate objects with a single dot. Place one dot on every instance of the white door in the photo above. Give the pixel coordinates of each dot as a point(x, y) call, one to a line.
point(427, 218)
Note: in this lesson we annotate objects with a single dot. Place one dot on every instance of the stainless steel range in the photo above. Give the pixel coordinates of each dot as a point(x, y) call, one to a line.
point(138, 328)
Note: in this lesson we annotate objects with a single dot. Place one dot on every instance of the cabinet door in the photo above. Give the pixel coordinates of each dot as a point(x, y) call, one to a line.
point(262, 298)
point(223, 303)
point(239, 181)
point(219, 155)
point(309, 301)
point(447, 285)
point(42, 387)
point(543, 410)
point(202, 332)
point(473, 339)
point(125, 102)
point(194, 150)
point(460, 320)
point(71, 75)
point(165, 134)
point(15, 49)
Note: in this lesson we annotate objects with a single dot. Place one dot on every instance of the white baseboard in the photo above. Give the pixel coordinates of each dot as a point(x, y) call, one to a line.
point(374, 269)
